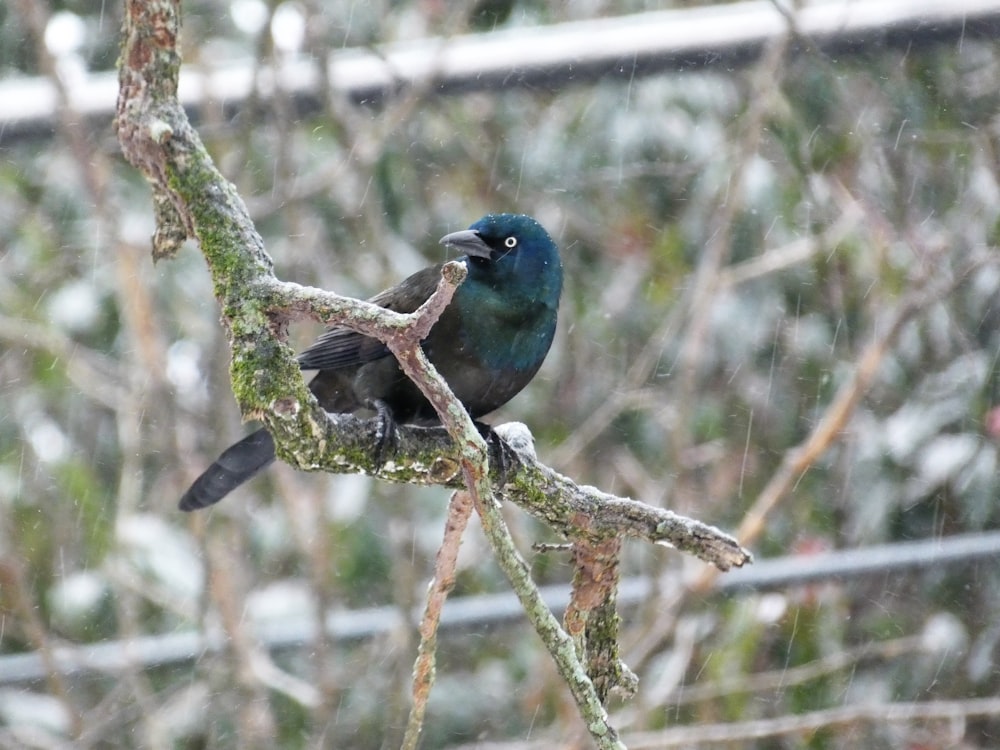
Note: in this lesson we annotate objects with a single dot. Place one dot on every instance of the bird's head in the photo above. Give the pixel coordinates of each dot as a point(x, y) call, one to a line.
point(512, 246)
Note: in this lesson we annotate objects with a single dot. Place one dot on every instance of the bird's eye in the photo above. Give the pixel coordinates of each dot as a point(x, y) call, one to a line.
point(510, 242)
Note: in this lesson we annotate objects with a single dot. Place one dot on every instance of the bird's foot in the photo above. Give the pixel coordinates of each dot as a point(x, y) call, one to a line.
point(501, 456)
point(386, 439)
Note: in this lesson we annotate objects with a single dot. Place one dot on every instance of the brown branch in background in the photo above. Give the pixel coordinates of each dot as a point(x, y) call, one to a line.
point(794, 253)
point(788, 677)
point(922, 293)
point(97, 376)
point(127, 387)
point(764, 89)
point(797, 461)
point(663, 696)
point(953, 714)
point(842, 717)
point(255, 719)
point(15, 595)
point(459, 512)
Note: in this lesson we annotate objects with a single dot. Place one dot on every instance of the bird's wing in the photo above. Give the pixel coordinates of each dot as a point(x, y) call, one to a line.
point(339, 347)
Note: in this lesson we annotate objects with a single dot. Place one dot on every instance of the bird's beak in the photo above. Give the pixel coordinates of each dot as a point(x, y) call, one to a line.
point(469, 242)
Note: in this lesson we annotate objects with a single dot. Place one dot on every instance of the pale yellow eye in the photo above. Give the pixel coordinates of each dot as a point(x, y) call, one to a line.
point(510, 242)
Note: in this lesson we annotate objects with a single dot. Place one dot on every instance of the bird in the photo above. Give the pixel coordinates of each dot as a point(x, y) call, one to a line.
point(488, 344)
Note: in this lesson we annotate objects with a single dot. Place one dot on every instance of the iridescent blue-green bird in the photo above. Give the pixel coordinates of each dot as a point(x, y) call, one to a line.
point(487, 344)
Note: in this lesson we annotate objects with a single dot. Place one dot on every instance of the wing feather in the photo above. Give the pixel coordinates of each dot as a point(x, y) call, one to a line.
point(339, 347)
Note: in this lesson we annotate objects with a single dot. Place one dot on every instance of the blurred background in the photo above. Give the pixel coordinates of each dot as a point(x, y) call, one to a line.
point(781, 304)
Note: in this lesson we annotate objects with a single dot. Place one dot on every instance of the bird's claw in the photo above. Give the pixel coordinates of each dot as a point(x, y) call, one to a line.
point(501, 456)
point(386, 438)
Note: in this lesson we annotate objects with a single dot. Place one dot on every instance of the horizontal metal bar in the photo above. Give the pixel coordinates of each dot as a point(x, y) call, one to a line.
point(476, 612)
point(552, 57)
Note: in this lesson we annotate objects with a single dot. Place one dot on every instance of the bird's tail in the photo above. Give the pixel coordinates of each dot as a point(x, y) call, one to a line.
point(235, 466)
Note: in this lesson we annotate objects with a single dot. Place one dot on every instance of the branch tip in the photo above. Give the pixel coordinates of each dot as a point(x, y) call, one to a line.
point(454, 272)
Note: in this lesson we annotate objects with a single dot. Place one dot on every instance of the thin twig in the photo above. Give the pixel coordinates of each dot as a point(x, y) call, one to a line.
point(794, 253)
point(255, 719)
point(96, 375)
point(787, 677)
point(126, 383)
point(472, 452)
point(876, 713)
point(797, 461)
point(13, 582)
point(459, 511)
point(716, 253)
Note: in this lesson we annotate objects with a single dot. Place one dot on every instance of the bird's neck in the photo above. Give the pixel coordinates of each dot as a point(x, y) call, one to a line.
point(529, 284)
point(508, 322)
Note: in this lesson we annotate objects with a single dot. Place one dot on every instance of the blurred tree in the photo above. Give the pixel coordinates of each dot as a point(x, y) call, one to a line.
point(737, 242)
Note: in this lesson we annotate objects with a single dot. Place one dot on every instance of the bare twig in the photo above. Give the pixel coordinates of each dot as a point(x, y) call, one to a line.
point(125, 387)
point(459, 511)
point(787, 677)
point(739, 733)
point(793, 253)
point(96, 375)
point(255, 717)
point(475, 471)
point(830, 426)
point(14, 585)
point(766, 79)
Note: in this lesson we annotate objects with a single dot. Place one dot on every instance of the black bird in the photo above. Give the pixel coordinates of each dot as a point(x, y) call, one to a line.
point(488, 344)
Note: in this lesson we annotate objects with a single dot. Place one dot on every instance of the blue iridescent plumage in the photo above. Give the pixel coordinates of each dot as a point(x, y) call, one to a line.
point(488, 343)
